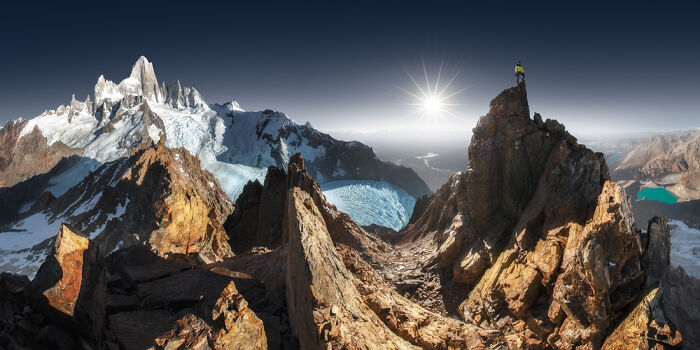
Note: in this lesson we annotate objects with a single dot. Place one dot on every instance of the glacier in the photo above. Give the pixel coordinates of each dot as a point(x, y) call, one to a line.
point(371, 202)
point(235, 145)
point(685, 247)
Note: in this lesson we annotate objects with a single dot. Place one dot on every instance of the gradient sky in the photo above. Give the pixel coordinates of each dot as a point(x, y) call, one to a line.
point(597, 67)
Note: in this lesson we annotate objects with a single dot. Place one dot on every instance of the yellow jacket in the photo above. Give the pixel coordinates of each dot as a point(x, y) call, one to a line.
point(519, 69)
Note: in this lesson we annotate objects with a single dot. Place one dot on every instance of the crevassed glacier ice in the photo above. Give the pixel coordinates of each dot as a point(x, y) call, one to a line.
point(685, 247)
point(371, 202)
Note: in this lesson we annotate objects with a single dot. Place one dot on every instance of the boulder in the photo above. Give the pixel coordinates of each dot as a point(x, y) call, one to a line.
point(69, 285)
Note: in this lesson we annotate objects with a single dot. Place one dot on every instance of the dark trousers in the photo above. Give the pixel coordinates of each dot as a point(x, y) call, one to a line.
point(517, 77)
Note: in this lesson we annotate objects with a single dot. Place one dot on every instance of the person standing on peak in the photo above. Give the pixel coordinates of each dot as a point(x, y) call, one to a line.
point(519, 72)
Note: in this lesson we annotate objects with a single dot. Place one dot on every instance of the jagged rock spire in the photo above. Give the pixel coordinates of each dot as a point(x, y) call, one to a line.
point(144, 73)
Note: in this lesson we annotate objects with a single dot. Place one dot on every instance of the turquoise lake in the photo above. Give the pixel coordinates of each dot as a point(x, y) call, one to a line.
point(657, 194)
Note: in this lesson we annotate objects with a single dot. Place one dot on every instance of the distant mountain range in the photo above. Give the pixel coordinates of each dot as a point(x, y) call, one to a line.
point(671, 161)
point(235, 145)
point(63, 165)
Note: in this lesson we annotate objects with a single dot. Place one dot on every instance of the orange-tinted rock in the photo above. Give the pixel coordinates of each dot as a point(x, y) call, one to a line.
point(168, 203)
point(645, 327)
point(233, 326)
point(240, 327)
point(325, 309)
point(70, 283)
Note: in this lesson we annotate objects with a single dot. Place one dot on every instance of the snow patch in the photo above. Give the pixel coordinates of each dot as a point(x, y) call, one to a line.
point(154, 132)
point(29, 232)
point(62, 182)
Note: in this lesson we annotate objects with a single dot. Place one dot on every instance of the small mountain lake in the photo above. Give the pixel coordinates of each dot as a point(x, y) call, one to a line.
point(657, 194)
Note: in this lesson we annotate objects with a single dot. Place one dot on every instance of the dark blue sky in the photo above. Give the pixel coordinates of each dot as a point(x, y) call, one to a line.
point(594, 66)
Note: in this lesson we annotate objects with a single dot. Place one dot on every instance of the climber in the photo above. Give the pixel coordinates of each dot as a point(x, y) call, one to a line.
point(518, 72)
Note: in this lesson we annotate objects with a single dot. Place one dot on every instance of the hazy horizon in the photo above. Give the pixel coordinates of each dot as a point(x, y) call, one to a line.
point(598, 69)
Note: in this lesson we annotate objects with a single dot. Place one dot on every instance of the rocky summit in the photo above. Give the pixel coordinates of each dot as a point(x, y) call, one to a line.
point(532, 247)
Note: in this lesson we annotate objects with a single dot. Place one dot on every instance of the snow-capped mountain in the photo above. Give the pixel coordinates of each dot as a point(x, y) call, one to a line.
point(228, 140)
point(236, 146)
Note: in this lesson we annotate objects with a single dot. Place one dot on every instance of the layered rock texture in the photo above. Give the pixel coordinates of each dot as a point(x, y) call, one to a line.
point(532, 247)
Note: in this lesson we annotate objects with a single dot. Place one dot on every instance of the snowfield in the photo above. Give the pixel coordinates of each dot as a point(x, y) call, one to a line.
point(371, 202)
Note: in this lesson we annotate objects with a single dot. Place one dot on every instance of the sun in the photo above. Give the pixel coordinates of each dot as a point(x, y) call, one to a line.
point(432, 98)
point(432, 104)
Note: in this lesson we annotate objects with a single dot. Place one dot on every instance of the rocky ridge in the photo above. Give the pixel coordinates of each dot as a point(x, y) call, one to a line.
point(154, 196)
point(531, 247)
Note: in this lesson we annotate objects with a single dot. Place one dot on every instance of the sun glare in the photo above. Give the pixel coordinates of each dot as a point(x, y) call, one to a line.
point(432, 98)
point(431, 104)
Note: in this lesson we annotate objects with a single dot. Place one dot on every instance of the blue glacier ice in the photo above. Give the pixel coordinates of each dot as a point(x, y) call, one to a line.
point(371, 202)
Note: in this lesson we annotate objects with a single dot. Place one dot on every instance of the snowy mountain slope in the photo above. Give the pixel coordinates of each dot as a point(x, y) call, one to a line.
point(128, 201)
point(235, 145)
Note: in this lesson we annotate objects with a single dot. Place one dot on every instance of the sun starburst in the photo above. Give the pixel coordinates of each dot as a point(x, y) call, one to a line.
point(432, 98)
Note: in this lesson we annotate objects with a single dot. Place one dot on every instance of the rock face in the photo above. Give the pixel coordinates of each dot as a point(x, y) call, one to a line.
point(23, 157)
point(546, 244)
point(70, 283)
point(326, 311)
point(645, 327)
point(591, 272)
point(680, 303)
point(153, 196)
point(524, 176)
point(143, 73)
point(256, 220)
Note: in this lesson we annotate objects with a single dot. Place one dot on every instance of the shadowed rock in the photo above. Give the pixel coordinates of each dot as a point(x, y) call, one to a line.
point(70, 283)
point(325, 308)
point(645, 327)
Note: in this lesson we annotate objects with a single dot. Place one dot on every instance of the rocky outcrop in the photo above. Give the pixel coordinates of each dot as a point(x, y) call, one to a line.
point(645, 327)
point(567, 287)
point(419, 208)
point(658, 251)
point(183, 305)
point(525, 177)
point(178, 97)
point(143, 73)
point(155, 196)
point(70, 284)
point(681, 307)
point(256, 222)
point(236, 327)
point(9, 135)
point(546, 245)
point(325, 309)
point(22, 157)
